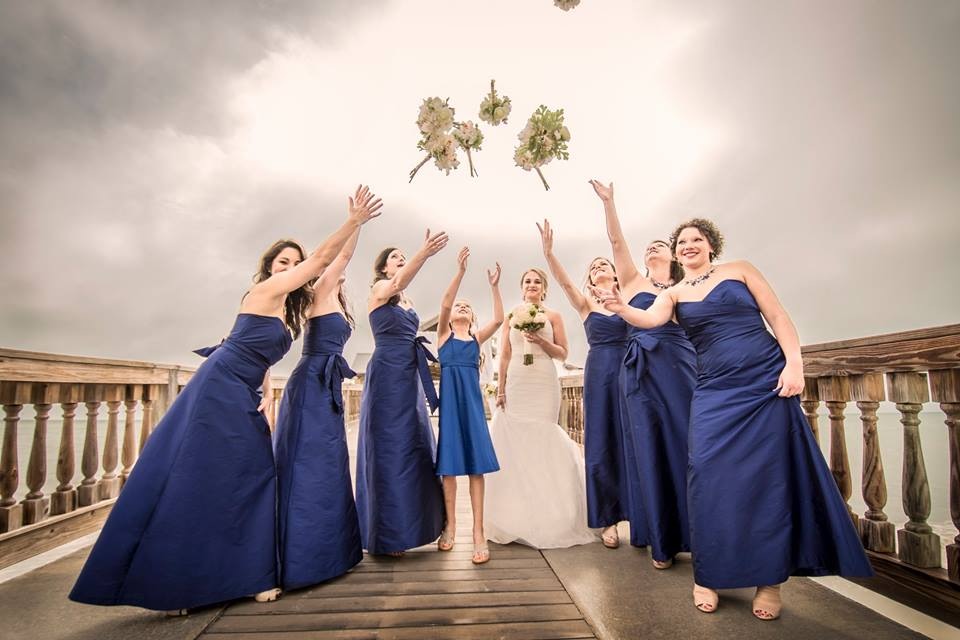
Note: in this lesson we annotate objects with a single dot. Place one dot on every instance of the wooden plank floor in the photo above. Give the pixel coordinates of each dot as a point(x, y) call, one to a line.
point(425, 595)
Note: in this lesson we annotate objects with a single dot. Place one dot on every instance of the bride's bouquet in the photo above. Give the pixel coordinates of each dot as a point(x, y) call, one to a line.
point(435, 121)
point(528, 317)
point(544, 138)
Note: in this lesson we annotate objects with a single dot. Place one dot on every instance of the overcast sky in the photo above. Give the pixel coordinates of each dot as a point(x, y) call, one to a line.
point(152, 150)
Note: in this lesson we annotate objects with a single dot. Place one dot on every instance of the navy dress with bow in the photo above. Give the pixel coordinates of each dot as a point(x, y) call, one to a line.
point(319, 533)
point(399, 496)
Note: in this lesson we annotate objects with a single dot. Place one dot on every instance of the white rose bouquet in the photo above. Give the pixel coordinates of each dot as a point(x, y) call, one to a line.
point(529, 317)
point(435, 121)
point(494, 109)
point(544, 138)
point(468, 136)
point(566, 5)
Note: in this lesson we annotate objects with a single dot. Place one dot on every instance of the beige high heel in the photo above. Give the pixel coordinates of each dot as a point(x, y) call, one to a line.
point(704, 599)
point(767, 603)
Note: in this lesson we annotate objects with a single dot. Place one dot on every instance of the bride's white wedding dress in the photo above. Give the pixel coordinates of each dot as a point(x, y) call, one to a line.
point(538, 497)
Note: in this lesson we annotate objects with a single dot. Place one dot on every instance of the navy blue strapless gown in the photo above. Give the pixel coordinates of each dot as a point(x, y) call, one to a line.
point(319, 533)
point(195, 522)
point(465, 447)
point(399, 496)
point(763, 504)
point(659, 374)
point(609, 469)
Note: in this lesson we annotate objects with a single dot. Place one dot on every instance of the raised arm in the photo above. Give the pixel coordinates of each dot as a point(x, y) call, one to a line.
point(791, 378)
point(623, 259)
point(363, 207)
point(386, 289)
point(330, 277)
point(576, 298)
point(493, 277)
point(449, 296)
point(659, 313)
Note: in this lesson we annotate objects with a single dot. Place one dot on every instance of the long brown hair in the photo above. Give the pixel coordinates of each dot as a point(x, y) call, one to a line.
point(297, 305)
point(587, 281)
point(676, 271)
point(378, 266)
point(345, 306)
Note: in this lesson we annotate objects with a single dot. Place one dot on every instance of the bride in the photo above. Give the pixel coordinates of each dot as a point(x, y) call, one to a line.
point(538, 497)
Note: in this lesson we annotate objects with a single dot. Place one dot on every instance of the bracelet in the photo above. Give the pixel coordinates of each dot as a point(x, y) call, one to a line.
point(501, 395)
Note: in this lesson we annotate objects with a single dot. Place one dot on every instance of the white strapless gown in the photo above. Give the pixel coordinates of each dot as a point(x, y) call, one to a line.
point(538, 497)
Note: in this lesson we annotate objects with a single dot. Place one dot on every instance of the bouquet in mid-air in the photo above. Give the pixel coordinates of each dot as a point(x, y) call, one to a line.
point(544, 138)
point(566, 5)
point(528, 317)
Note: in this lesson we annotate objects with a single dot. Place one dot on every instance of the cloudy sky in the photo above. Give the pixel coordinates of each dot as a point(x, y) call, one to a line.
point(151, 150)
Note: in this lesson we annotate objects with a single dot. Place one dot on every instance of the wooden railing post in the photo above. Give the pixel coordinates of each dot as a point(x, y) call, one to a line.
point(128, 456)
point(87, 492)
point(36, 506)
point(146, 422)
point(835, 390)
point(810, 401)
point(110, 481)
point(64, 499)
point(918, 545)
point(13, 395)
point(877, 534)
point(945, 389)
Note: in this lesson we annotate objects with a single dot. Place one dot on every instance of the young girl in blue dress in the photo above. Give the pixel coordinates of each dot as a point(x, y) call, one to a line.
point(465, 447)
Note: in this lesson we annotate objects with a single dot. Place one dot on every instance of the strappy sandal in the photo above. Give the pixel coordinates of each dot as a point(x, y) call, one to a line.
point(666, 564)
point(481, 554)
point(445, 543)
point(704, 599)
point(268, 596)
point(767, 603)
point(610, 537)
point(176, 613)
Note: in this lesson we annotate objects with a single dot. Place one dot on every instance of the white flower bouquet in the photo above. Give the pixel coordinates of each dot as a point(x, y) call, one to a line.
point(529, 317)
point(468, 136)
point(544, 138)
point(435, 121)
point(494, 109)
point(566, 5)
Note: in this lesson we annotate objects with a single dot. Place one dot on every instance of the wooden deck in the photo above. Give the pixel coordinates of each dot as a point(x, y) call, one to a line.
point(427, 594)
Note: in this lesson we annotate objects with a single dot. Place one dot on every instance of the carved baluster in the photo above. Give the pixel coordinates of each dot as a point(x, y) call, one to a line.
point(918, 544)
point(835, 390)
point(87, 492)
point(13, 395)
point(64, 499)
point(128, 455)
point(945, 389)
point(877, 534)
point(36, 506)
point(146, 421)
point(810, 401)
point(110, 482)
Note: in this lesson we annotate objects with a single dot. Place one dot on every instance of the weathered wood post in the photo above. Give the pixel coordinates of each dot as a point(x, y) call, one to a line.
point(132, 395)
point(945, 389)
point(36, 506)
point(146, 422)
point(918, 545)
point(835, 390)
point(87, 492)
point(64, 499)
point(13, 395)
point(810, 401)
point(877, 534)
point(110, 481)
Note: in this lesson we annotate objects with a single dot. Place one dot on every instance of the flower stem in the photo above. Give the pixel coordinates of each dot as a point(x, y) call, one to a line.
point(542, 179)
point(417, 168)
point(473, 172)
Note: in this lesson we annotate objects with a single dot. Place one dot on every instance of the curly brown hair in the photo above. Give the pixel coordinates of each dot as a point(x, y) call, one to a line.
point(705, 227)
point(298, 302)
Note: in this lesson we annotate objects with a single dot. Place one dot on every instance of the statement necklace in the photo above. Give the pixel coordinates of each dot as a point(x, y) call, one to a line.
point(694, 282)
point(659, 285)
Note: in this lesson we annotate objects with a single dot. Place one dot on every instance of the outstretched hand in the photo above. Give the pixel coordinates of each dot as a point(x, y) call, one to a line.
point(605, 193)
point(364, 205)
point(493, 277)
point(546, 237)
point(462, 259)
point(610, 299)
point(432, 244)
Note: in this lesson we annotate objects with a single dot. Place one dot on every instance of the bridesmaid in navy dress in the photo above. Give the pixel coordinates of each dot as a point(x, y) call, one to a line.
point(195, 523)
point(317, 525)
point(399, 497)
point(465, 448)
point(658, 377)
point(612, 472)
point(763, 503)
